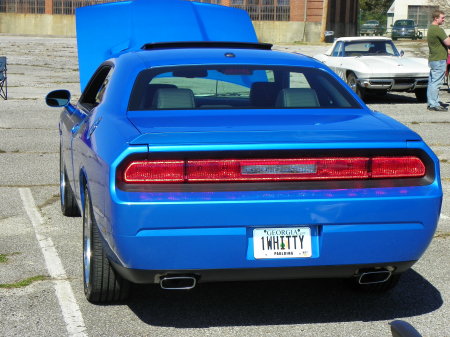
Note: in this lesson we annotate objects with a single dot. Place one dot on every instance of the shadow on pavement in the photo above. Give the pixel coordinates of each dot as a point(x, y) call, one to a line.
point(281, 302)
point(391, 98)
point(401, 98)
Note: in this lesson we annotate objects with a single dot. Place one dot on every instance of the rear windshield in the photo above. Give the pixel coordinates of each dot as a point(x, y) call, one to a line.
point(238, 87)
point(403, 23)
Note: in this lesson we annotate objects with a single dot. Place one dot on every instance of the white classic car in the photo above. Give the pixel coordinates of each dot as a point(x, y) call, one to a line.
point(374, 65)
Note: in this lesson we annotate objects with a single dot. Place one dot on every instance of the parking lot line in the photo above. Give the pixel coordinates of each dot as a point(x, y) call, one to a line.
point(69, 307)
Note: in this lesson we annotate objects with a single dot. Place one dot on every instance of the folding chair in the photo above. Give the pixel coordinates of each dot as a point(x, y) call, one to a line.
point(3, 78)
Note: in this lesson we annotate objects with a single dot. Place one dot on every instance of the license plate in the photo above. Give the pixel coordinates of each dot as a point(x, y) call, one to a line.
point(282, 243)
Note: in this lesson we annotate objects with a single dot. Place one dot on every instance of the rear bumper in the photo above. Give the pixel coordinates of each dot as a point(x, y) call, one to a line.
point(152, 233)
point(348, 227)
point(257, 274)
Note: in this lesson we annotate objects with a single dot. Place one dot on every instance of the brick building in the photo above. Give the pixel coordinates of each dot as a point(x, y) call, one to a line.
point(274, 20)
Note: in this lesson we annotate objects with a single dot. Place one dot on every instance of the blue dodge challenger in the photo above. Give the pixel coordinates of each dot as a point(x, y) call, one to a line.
point(196, 154)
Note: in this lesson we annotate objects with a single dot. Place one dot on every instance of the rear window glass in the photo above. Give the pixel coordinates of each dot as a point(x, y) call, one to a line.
point(237, 87)
point(403, 23)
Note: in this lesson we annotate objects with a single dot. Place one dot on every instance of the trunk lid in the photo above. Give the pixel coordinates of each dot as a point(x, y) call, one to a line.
point(225, 127)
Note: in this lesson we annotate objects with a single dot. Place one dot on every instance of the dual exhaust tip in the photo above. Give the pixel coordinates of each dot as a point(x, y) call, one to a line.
point(374, 276)
point(179, 282)
point(187, 282)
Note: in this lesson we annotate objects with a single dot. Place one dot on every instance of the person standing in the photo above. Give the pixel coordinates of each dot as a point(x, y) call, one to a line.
point(438, 43)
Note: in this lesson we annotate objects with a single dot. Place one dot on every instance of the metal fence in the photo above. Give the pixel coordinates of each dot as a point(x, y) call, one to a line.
point(22, 6)
point(259, 10)
point(265, 10)
point(68, 6)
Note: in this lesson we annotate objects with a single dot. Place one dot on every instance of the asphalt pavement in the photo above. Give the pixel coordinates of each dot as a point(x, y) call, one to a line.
point(35, 237)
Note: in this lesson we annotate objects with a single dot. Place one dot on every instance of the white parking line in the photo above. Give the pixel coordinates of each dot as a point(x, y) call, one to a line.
point(69, 307)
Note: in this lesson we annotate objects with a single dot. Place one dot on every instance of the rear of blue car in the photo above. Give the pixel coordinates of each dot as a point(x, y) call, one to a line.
point(229, 180)
point(218, 161)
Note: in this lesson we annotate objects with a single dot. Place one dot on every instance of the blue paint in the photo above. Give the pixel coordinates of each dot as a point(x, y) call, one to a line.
point(107, 30)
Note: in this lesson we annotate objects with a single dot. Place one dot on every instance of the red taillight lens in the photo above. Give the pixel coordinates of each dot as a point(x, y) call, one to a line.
point(266, 170)
point(397, 167)
point(154, 171)
point(276, 169)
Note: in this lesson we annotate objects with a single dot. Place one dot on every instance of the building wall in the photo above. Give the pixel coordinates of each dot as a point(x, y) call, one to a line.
point(287, 32)
point(401, 8)
point(64, 25)
point(37, 24)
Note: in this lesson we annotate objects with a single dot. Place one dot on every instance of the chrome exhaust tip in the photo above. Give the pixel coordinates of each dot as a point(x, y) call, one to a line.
point(178, 282)
point(375, 276)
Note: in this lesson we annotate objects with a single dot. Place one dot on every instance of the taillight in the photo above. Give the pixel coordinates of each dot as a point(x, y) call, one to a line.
point(272, 170)
point(154, 171)
point(275, 169)
point(397, 167)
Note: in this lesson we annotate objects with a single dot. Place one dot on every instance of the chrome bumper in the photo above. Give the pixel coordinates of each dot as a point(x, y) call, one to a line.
point(394, 84)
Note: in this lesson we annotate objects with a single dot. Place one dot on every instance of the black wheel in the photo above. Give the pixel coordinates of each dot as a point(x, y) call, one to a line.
point(101, 283)
point(352, 81)
point(421, 95)
point(69, 205)
point(376, 287)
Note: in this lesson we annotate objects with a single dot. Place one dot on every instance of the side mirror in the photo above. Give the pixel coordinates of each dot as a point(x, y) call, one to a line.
point(402, 53)
point(58, 98)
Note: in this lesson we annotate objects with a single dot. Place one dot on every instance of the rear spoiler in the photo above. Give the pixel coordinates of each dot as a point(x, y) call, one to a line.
point(107, 30)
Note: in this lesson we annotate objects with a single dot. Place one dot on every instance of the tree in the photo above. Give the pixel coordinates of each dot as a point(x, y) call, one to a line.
point(375, 9)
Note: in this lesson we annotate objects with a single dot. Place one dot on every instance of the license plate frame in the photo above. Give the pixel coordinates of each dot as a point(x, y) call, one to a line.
point(282, 242)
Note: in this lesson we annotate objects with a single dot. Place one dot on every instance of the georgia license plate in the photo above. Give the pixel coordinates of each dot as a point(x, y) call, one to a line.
point(281, 243)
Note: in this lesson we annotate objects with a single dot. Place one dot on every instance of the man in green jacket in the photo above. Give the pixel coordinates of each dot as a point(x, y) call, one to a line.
point(438, 43)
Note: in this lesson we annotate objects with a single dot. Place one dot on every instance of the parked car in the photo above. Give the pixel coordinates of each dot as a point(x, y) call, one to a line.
point(405, 29)
point(208, 161)
point(372, 27)
point(374, 65)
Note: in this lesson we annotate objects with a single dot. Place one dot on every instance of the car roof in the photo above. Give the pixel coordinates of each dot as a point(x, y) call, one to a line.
point(217, 55)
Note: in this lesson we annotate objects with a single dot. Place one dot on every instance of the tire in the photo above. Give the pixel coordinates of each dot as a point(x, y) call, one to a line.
point(376, 287)
point(101, 283)
point(421, 95)
point(69, 206)
point(353, 83)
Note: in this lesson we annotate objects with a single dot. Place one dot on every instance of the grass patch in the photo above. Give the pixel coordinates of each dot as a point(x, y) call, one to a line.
point(4, 257)
point(442, 235)
point(23, 283)
point(54, 198)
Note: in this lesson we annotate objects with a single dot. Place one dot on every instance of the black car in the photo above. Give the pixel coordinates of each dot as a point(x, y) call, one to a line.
point(371, 27)
point(404, 29)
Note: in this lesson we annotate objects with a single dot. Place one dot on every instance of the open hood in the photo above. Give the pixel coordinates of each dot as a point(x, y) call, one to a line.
point(107, 30)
